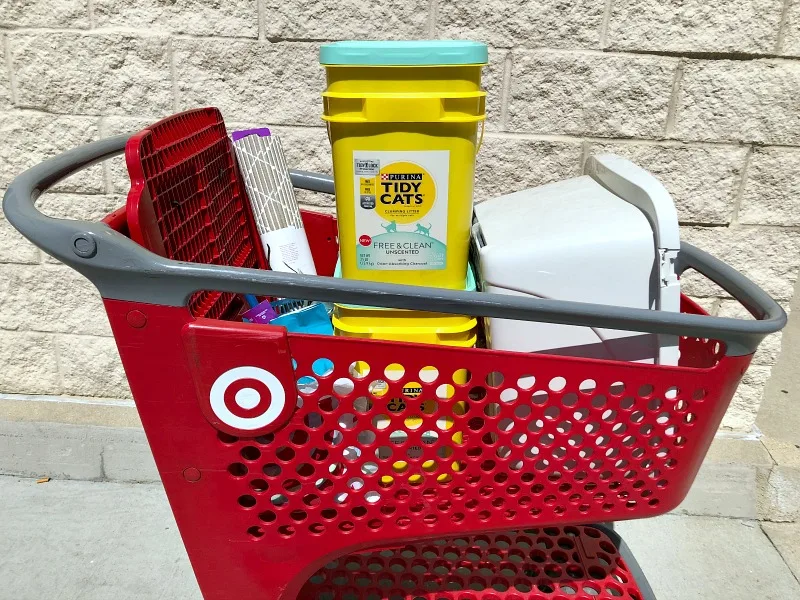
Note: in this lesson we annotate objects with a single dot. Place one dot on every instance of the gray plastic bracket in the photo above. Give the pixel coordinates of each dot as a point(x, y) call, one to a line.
point(123, 270)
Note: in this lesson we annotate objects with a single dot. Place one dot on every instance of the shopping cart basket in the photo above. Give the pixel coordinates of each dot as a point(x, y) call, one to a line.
point(326, 467)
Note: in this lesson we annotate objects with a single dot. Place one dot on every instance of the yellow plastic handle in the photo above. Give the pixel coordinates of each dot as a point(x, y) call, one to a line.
point(404, 108)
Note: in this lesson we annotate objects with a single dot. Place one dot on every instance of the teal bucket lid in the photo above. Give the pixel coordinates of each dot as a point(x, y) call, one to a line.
point(407, 53)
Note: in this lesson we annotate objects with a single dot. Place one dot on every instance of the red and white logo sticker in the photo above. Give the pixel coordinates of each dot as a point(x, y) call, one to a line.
point(365, 240)
point(247, 398)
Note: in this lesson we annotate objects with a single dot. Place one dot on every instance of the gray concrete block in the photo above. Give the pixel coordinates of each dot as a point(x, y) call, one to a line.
point(694, 558)
point(76, 540)
point(782, 497)
point(48, 450)
point(41, 13)
point(97, 74)
point(28, 363)
point(589, 94)
point(739, 451)
point(771, 194)
point(66, 301)
point(13, 247)
point(232, 18)
point(723, 491)
point(67, 451)
point(29, 138)
point(547, 23)
point(786, 454)
point(739, 101)
point(88, 207)
point(336, 20)
point(786, 538)
point(506, 164)
point(127, 457)
point(779, 418)
point(5, 79)
point(249, 80)
point(492, 80)
point(94, 370)
point(98, 412)
point(695, 26)
point(741, 413)
point(791, 39)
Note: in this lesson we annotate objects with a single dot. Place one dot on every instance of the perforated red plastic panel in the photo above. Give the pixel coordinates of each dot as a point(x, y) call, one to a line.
point(393, 443)
point(570, 563)
point(187, 201)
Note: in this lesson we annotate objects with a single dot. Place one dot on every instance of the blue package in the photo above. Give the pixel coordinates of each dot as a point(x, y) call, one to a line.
point(309, 319)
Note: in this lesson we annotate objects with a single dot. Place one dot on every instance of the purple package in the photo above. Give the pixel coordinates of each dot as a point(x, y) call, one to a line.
point(261, 313)
point(260, 132)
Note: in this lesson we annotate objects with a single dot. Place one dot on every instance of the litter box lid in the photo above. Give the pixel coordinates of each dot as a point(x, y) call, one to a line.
point(572, 212)
point(571, 240)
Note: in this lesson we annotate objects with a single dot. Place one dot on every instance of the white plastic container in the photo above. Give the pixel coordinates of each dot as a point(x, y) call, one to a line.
point(607, 237)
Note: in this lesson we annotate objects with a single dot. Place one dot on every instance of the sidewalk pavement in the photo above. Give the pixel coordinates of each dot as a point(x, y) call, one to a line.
point(79, 540)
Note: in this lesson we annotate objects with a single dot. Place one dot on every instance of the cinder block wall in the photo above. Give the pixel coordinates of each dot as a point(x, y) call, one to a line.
point(704, 94)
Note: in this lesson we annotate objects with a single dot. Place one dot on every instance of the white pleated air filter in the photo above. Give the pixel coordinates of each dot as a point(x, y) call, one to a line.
point(272, 199)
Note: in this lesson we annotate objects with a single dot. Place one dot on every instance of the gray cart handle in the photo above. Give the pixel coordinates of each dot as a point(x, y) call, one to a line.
point(123, 270)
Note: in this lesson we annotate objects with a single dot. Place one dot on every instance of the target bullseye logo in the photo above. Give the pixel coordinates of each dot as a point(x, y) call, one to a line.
point(247, 398)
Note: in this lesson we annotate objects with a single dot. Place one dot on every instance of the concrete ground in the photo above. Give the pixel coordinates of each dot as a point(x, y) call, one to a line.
point(79, 540)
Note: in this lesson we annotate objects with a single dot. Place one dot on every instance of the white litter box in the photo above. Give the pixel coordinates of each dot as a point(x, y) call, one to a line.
point(607, 237)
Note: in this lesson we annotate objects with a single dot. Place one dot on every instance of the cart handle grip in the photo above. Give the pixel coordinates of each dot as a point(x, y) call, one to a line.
point(123, 270)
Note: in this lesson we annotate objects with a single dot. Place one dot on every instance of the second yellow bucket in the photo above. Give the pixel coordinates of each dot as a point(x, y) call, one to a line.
point(403, 121)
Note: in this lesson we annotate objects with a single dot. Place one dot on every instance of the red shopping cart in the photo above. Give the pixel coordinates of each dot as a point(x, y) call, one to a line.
point(302, 466)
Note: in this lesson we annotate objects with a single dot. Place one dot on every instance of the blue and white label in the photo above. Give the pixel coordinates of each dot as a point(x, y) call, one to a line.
point(401, 209)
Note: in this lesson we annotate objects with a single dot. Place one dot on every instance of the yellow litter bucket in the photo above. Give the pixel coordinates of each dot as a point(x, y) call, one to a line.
point(403, 122)
point(407, 325)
